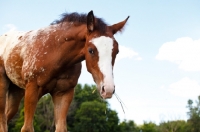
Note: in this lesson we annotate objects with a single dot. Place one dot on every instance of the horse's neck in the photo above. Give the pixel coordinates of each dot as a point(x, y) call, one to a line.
point(70, 44)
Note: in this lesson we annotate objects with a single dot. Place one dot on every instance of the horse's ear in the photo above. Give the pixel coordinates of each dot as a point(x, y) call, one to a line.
point(118, 26)
point(90, 21)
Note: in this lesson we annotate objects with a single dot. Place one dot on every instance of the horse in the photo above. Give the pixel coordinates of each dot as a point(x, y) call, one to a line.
point(48, 60)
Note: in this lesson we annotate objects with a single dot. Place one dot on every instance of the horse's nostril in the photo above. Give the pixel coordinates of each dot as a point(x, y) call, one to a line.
point(113, 91)
point(103, 90)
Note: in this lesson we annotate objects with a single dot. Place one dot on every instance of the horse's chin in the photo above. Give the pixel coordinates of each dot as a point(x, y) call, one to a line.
point(106, 96)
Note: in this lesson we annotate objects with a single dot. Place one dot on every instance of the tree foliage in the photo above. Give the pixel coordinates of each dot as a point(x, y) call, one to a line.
point(149, 127)
point(174, 126)
point(82, 94)
point(128, 126)
point(194, 115)
point(91, 113)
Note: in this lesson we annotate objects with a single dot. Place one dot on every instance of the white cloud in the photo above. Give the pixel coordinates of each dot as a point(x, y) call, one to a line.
point(184, 51)
point(125, 52)
point(9, 27)
point(185, 88)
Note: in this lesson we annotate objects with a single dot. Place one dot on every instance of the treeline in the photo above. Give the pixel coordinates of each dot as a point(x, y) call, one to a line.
point(89, 113)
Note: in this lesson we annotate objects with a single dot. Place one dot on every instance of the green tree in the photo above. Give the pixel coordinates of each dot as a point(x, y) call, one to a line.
point(88, 101)
point(94, 116)
point(174, 126)
point(149, 127)
point(82, 94)
point(194, 115)
point(128, 126)
point(112, 121)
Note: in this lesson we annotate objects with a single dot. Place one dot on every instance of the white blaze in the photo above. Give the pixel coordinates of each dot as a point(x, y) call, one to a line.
point(104, 46)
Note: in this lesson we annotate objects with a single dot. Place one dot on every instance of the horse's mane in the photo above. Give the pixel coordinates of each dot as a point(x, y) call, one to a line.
point(80, 19)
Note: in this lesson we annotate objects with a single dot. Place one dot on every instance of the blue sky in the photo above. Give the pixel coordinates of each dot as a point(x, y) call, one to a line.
point(158, 68)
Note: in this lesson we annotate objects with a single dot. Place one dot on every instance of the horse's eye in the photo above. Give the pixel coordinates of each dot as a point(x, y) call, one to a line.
point(91, 51)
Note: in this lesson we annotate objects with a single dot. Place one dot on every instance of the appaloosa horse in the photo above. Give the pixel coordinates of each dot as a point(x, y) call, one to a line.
point(48, 60)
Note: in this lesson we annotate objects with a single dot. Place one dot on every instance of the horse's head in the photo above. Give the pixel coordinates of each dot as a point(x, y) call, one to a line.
point(101, 49)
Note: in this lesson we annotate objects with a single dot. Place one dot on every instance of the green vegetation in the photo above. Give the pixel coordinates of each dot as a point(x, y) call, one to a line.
point(90, 113)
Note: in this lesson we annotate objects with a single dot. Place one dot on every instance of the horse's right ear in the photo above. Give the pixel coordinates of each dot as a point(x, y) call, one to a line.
point(90, 21)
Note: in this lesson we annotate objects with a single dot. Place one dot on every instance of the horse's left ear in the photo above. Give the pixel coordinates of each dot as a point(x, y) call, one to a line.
point(90, 21)
point(118, 26)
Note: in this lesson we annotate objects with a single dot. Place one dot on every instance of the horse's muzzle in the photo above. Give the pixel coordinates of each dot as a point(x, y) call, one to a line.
point(107, 92)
